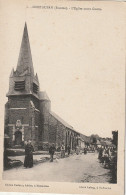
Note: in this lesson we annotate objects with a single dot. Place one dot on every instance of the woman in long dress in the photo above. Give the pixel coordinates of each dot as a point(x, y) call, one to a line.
point(28, 162)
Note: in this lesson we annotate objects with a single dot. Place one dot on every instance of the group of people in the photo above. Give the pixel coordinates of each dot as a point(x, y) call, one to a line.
point(78, 150)
point(28, 161)
point(52, 150)
point(107, 155)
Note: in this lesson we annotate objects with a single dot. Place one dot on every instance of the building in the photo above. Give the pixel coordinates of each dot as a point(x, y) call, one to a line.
point(28, 112)
point(84, 141)
point(115, 138)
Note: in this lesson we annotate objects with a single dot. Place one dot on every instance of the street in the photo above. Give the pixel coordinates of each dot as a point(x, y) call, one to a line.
point(76, 168)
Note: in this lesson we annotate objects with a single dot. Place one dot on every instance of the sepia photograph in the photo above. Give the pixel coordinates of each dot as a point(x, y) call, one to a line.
point(33, 129)
point(63, 93)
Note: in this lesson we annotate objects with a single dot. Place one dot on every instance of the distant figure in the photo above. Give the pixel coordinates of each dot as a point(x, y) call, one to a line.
point(85, 150)
point(77, 150)
point(68, 149)
point(52, 150)
point(28, 162)
point(100, 153)
point(62, 151)
point(105, 156)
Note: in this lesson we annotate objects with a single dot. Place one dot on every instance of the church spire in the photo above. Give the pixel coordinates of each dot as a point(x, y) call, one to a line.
point(25, 58)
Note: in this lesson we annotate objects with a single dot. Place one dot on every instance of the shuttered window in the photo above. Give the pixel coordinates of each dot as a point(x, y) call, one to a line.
point(19, 85)
point(35, 88)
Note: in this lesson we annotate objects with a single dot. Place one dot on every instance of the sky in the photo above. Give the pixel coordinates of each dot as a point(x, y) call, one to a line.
point(79, 58)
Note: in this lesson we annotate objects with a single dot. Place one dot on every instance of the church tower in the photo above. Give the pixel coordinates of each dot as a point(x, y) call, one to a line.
point(23, 81)
point(28, 112)
point(22, 113)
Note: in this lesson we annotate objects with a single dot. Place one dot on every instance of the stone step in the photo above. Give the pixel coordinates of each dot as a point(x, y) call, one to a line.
point(17, 147)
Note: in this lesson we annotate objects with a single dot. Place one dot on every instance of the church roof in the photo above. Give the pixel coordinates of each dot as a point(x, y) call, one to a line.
point(61, 120)
point(25, 58)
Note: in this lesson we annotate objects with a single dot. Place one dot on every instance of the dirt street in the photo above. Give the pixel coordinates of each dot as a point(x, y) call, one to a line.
point(76, 168)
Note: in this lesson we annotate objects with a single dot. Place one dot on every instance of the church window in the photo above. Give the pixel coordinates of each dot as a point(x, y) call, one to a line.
point(19, 85)
point(35, 88)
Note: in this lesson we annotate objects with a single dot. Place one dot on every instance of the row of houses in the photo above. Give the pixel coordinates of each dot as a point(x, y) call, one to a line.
point(94, 141)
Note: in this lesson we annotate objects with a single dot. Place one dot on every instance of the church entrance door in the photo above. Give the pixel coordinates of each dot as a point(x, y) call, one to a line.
point(18, 138)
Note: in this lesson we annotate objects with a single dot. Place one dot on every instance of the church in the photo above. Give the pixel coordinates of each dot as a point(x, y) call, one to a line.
point(28, 112)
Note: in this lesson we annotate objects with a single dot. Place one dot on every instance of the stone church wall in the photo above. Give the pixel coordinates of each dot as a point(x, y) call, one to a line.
point(18, 114)
point(60, 135)
point(52, 129)
point(18, 102)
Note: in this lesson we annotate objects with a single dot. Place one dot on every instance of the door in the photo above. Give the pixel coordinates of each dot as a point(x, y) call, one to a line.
point(18, 138)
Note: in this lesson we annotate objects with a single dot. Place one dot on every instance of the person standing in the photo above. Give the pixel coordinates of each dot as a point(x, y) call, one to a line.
point(77, 150)
point(105, 156)
point(52, 150)
point(68, 149)
point(28, 162)
point(100, 153)
point(85, 150)
point(62, 151)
